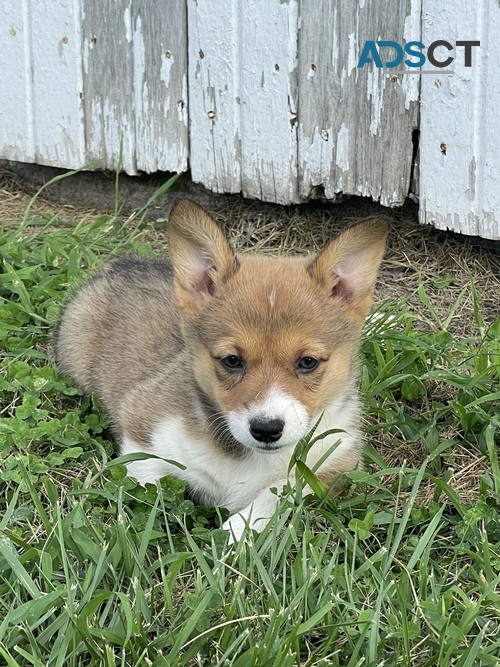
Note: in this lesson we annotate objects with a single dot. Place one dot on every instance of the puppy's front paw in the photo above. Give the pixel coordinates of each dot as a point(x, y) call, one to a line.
point(237, 523)
point(236, 526)
point(256, 515)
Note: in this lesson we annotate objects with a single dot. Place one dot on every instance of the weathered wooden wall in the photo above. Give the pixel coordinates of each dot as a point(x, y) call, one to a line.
point(85, 80)
point(262, 97)
point(460, 138)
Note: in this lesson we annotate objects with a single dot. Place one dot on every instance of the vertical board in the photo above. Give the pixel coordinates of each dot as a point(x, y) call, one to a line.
point(16, 93)
point(214, 69)
point(108, 81)
point(459, 144)
point(57, 82)
point(355, 124)
point(243, 93)
point(160, 85)
point(135, 84)
point(42, 83)
point(268, 98)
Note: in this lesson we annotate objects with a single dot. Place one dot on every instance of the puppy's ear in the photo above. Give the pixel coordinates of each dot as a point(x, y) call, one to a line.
point(202, 259)
point(348, 266)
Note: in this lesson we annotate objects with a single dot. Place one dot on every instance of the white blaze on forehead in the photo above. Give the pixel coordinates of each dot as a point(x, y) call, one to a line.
point(276, 405)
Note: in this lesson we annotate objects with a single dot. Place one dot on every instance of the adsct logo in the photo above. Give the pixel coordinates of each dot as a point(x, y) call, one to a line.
point(389, 54)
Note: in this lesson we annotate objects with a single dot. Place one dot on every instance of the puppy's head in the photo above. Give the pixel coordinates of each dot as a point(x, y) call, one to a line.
point(273, 340)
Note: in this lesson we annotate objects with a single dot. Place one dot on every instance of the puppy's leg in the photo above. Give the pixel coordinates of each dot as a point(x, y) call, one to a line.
point(256, 514)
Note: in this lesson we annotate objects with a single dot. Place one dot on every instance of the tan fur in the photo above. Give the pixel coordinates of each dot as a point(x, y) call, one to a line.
point(148, 337)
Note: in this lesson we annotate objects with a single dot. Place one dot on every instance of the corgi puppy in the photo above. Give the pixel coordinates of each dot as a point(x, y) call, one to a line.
point(218, 364)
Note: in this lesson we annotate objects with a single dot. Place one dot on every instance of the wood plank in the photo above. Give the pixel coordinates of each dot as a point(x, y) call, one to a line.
point(43, 80)
point(57, 83)
point(459, 144)
point(355, 124)
point(160, 85)
point(269, 97)
point(242, 89)
point(214, 70)
point(17, 140)
point(135, 84)
point(108, 83)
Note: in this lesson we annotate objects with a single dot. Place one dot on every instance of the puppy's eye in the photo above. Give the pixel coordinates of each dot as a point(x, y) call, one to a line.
point(306, 364)
point(232, 363)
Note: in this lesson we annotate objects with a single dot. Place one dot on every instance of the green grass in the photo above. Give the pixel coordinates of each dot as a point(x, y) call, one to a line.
point(95, 570)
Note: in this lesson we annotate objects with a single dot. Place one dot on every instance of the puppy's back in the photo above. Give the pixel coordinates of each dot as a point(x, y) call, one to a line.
point(119, 328)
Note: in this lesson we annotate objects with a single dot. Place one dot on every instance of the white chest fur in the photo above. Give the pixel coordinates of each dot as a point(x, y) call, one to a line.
point(220, 479)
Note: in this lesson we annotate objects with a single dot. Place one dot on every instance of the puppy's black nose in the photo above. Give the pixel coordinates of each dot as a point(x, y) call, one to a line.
point(266, 430)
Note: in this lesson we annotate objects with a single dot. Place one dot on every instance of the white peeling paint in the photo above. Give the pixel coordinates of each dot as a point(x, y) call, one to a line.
point(42, 110)
point(342, 153)
point(365, 116)
point(139, 64)
point(292, 22)
point(127, 20)
point(375, 86)
point(352, 57)
point(335, 40)
point(215, 93)
point(166, 66)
